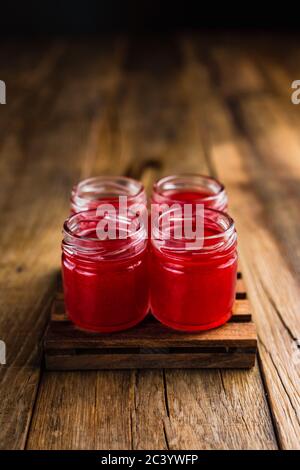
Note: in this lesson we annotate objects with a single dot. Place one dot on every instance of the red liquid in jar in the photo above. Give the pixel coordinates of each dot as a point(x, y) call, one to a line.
point(107, 292)
point(193, 292)
point(190, 189)
point(186, 196)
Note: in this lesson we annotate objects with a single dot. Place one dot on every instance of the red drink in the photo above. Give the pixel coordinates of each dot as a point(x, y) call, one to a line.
point(190, 189)
point(105, 281)
point(193, 288)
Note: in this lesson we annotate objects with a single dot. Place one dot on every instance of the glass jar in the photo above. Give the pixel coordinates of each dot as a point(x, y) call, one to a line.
point(90, 193)
point(192, 189)
point(192, 285)
point(105, 280)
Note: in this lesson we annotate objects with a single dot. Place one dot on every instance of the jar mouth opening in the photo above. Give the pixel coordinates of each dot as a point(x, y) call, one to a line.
point(81, 233)
point(217, 229)
point(106, 187)
point(190, 182)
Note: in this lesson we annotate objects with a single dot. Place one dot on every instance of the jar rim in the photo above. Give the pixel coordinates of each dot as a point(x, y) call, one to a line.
point(157, 187)
point(119, 182)
point(229, 233)
point(87, 244)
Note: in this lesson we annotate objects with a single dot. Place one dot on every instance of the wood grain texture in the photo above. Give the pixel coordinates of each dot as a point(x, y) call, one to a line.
point(165, 139)
point(275, 298)
point(158, 107)
point(262, 154)
point(47, 135)
point(109, 414)
point(151, 334)
point(102, 360)
point(197, 400)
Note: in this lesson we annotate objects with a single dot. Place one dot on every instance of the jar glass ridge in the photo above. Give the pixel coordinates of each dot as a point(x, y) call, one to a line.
point(90, 193)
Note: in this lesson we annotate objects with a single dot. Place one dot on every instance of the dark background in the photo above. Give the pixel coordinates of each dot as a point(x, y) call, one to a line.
point(92, 17)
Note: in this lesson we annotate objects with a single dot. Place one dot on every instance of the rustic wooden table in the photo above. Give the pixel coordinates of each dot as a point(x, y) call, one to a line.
point(146, 107)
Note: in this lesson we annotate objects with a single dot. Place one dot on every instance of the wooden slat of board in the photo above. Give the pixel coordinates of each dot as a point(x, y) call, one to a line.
point(210, 360)
point(241, 311)
point(40, 157)
point(64, 336)
point(241, 289)
point(261, 173)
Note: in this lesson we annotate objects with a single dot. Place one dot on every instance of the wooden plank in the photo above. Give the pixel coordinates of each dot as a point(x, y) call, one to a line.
point(241, 311)
point(48, 133)
point(68, 406)
point(110, 414)
point(199, 94)
point(262, 166)
point(274, 294)
point(22, 335)
point(197, 400)
point(185, 417)
point(241, 290)
point(186, 360)
point(63, 335)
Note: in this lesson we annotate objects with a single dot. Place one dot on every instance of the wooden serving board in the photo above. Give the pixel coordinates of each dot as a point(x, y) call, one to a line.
point(150, 344)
